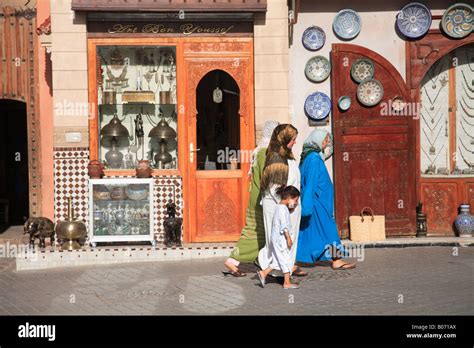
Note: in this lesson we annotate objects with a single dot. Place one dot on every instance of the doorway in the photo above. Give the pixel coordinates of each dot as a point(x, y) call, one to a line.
point(14, 183)
point(218, 123)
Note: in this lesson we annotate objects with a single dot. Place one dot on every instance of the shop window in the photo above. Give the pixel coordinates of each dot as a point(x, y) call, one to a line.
point(218, 122)
point(136, 88)
point(447, 116)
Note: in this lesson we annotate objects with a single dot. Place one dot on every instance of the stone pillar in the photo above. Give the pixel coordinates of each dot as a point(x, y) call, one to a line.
point(271, 65)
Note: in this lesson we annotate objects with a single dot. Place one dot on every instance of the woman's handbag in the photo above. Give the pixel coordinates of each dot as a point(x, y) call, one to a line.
point(367, 228)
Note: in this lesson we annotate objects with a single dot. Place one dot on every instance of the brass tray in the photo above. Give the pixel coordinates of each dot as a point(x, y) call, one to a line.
point(138, 97)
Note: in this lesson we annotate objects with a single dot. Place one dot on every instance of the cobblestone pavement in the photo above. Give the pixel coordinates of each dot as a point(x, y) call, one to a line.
point(429, 280)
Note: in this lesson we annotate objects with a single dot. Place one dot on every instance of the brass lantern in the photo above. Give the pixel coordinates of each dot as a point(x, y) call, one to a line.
point(115, 130)
point(162, 132)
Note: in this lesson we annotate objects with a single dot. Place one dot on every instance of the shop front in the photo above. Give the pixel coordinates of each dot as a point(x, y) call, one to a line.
point(173, 87)
point(399, 84)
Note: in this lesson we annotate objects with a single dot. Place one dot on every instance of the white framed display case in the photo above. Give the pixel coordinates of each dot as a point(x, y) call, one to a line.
point(121, 210)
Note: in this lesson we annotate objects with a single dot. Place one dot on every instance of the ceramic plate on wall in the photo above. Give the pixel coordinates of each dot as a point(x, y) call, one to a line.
point(344, 102)
point(362, 69)
point(314, 38)
point(457, 21)
point(347, 24)
point(317, 106)
point(414, 20)
point(370, 92)
point(317, 69)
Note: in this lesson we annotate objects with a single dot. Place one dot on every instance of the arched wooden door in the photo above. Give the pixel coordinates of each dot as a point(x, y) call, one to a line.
point(374, 148)
point(219, 119)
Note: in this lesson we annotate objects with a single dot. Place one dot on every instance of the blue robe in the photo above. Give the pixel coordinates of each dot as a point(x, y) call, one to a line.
point(318, 228)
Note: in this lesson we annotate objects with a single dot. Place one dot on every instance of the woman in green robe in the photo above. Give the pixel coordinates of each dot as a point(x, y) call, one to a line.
point(252, 238)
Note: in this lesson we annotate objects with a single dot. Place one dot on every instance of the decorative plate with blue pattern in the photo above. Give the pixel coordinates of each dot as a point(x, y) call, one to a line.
point(414, 20)
point(457, 21)
point(347, 24)
point(317, 106)
point(314, 38)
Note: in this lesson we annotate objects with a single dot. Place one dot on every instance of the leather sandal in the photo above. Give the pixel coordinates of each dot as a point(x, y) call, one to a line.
point(236, 274)
point(298, 272)
point(342, 267)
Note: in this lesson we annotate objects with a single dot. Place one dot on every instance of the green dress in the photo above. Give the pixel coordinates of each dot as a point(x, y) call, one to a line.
point(252, 238)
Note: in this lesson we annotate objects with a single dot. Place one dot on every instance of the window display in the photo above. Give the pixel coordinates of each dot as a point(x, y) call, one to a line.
point(446, 136)
point(121, 210)
point(136, 88)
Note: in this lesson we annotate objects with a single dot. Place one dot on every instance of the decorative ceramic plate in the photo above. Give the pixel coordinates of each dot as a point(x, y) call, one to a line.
point(457, 20)
point(362, 69)
point(347, 24)
point(370, 92)
point(414, 20)
point(317, 106)
point(317, 69)
point(314, 38)
point(344, 102)
point(398, 104)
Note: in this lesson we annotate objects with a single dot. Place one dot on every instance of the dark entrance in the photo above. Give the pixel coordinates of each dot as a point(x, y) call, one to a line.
point(14, 202)
point(218, 121)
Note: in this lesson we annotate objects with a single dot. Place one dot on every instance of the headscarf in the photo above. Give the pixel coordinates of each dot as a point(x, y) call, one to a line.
point(278, 154)
point(281, 137)
point(267, 132)
point(314, 143)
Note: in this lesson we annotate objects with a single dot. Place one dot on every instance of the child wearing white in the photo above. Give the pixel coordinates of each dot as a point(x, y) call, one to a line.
point(282, 237)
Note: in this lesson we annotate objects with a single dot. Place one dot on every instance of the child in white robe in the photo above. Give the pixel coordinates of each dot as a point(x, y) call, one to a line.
point(282, 237)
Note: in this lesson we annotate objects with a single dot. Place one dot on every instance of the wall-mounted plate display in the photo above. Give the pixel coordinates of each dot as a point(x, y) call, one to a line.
point(398, 104)
point(317, 106)
point(457, 20)
point(344, 102)
point(414, 20)
point(347, 24)
point(362, 69)
point(317, 69)
point(370, 92)
point(314, 38)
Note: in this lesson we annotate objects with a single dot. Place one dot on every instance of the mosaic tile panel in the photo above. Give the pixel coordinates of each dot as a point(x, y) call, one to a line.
point(71, 180)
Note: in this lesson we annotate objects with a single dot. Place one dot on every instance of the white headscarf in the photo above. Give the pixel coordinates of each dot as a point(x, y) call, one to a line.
point(267, 131)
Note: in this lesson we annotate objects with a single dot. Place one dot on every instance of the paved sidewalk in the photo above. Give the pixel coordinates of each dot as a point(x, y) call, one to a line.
point(416, 280)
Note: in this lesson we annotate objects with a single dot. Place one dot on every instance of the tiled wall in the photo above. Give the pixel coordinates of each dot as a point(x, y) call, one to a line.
point(71, 180)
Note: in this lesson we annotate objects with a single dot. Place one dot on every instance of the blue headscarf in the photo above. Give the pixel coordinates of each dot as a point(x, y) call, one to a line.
point(314, 143)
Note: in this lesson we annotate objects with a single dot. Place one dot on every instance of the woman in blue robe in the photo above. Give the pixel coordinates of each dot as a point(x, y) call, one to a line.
point(318, 239)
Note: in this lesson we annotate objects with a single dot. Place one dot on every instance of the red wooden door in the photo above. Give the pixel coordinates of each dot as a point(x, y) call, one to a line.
point(374, 150)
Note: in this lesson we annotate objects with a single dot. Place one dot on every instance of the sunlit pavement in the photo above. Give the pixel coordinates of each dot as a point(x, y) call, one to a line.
point(416, 280)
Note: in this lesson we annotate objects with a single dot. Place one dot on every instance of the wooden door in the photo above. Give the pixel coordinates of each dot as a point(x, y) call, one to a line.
point(215, 193)
point(374, 150)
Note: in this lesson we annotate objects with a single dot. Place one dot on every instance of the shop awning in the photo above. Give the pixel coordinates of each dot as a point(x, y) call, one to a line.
point(170, 5)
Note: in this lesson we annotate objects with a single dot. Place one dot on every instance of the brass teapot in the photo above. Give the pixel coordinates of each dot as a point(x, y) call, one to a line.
point(69, 232)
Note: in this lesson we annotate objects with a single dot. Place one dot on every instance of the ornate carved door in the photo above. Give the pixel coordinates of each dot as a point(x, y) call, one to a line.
point(219, 117)
point(374, 148)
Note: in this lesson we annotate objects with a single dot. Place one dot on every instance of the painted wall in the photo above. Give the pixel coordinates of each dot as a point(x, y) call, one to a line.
point(271, 64)
point(378, 34)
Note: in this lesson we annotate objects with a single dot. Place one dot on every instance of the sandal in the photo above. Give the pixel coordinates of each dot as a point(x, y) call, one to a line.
point(236, 274)
point(293, 286)
point(298, 272)
point(341, 267)
point(262, 280)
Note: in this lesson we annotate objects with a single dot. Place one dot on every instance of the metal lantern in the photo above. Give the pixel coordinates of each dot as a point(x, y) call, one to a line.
point(114, 129)
point(162, 132)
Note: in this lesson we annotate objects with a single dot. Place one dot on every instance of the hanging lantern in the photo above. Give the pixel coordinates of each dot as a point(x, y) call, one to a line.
point(217, 95)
